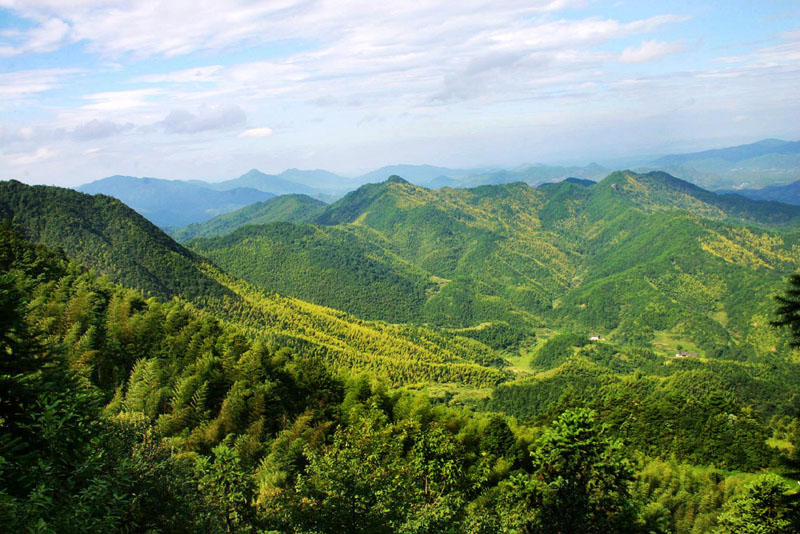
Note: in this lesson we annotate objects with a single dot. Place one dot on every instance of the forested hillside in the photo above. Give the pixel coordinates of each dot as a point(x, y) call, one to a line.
point(324, 265)
point(639, 258)
point(121, 412)
point(105, 234)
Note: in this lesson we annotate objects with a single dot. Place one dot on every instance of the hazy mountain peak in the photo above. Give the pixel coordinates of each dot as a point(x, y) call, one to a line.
point(253, 173)
point(173, 203)
point(735, 153)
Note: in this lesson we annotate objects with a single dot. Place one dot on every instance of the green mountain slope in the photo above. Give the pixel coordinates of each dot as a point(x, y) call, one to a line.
point(126, 413)
point(105, 234)
point(287, 208)
point(693, 408)
point(658, 191)
point(102, 233)
point(324, 265)
point(641, 257)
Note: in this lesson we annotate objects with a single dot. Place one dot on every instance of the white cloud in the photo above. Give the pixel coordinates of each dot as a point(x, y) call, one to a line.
point(349, 51)
point(196, 75)
point(650, 51)
point(98, 129)
point(255, 132)
point(149, 27)
point(24, 83)
point(792, 35)
point(30, 158)
point(49, 35)
point(435, 70)
point(120, 100)
point(205, 119)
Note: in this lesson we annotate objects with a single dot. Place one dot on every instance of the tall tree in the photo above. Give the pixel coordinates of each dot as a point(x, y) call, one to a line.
point(586, 474)
point(789, 309)
point(763, 509)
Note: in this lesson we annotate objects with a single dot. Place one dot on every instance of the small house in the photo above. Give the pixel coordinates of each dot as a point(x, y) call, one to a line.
point(685, 354)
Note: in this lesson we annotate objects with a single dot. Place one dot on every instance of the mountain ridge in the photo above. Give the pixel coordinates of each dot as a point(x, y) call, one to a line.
point(287, 208)
point(103, 233)
point(600, 258)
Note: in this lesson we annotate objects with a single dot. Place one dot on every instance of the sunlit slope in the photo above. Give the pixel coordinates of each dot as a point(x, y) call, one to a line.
point(662, 255)
point(103, 233)
point(400, 354)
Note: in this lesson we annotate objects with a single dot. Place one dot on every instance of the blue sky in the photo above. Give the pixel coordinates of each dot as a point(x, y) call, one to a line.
point(208, 89)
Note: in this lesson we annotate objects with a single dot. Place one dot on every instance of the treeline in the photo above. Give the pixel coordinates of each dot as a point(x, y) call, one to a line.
point(399, 354)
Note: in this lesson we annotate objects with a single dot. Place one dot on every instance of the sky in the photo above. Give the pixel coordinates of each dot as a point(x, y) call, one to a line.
point(208, 89)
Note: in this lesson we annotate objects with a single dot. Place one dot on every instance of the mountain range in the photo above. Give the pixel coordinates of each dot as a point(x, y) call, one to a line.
point(314, 182)
point(630, 257)
point(102, 233)
point(291, 346)
point(172, 204)
point(788, 193)
point(754, 165)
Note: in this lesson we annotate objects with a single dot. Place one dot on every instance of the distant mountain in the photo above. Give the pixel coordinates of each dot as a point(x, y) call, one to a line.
point(286, 208)
point(310, 183)
point(789, 193)
point(418, 174)
point(735, 154)
point(174, 203)
point(580, 181)
point(757, 164)
point(105, 234)
point(319, 179)
point(533, 175)
point(438, 177)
